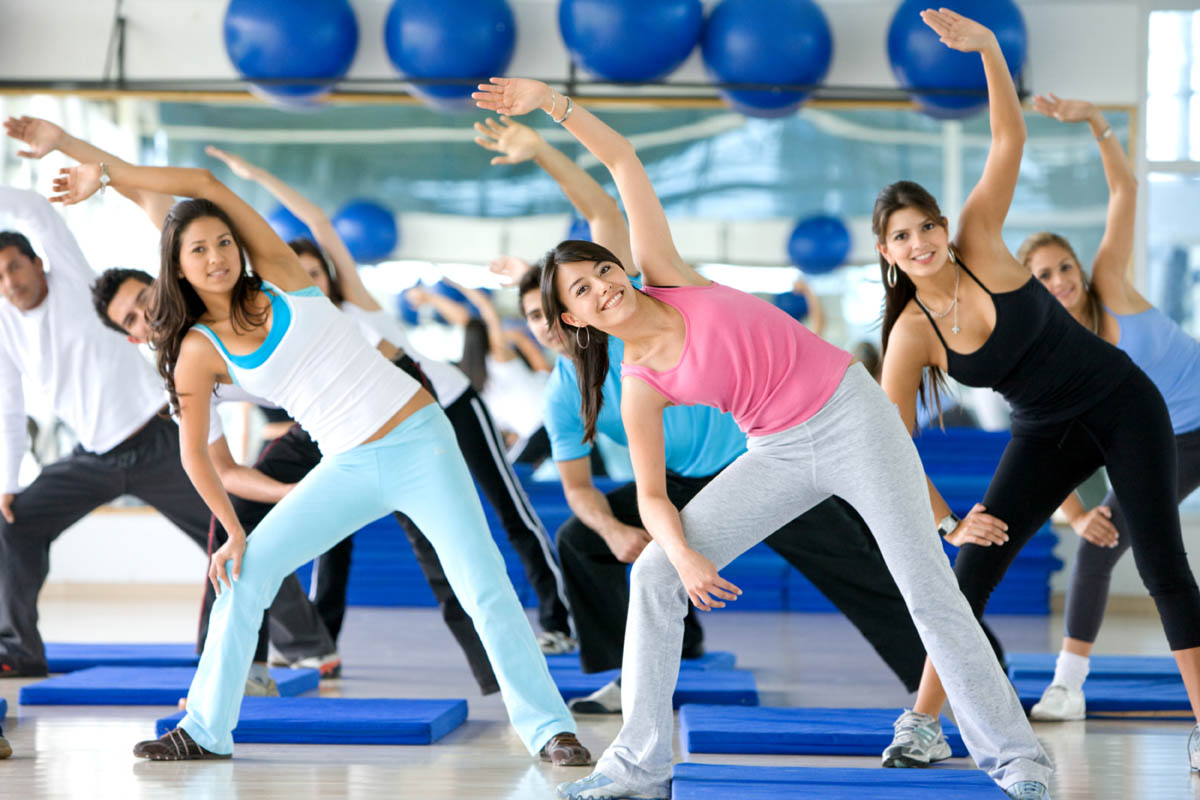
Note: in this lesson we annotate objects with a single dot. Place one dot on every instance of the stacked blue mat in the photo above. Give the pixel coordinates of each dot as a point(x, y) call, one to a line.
point(140, 686)
point(74, 656)
point(960, 462)
point(1116, 686)
point(718, 782)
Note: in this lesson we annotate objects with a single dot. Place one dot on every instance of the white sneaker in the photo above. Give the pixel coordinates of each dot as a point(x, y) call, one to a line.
point(259, 688)
point(605, 700)
point(1028, 790)
point(918, 742)
point(1059, 703)
point(598, 786)
point(555, 643)
point(1194, 749)
point(329, 665)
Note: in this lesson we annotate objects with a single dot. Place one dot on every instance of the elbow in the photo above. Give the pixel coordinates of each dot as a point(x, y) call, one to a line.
point(622, 152)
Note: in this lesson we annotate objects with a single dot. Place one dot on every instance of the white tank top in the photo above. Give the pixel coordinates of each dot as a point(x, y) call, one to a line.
point(448, 380)
point(316, 365)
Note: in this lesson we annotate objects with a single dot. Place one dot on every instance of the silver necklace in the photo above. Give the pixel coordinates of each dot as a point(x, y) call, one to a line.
point(952, 307)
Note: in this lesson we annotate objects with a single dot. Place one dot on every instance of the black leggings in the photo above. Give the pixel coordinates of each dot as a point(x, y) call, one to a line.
point(1129, 433)
point(1088, 592)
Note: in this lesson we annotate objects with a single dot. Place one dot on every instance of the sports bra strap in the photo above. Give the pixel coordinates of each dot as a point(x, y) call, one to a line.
point(967, 270)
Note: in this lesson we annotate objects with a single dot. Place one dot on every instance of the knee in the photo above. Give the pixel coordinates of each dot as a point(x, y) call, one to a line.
point(653, 573)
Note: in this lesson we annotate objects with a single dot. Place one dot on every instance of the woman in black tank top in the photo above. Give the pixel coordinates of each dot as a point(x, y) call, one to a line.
point(1078, 402)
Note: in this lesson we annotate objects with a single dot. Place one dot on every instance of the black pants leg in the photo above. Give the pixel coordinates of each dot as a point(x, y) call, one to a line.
point(598, 584)
point(331, 578)
point(483, 450)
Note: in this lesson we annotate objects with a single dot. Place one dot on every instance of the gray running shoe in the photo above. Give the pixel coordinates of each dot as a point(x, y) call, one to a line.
point(554, 643)
point(259, 688)
point(1028, 790)
point(605, 700)
point(918, 741)
point(1194, 749)
point(5, 748)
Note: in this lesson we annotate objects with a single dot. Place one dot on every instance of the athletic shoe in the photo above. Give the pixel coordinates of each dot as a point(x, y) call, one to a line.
point(600, 787)
point(330, 665)
point(605, 700)
point(175, 745)
point(8, 670)
point(256, 687)
point(1059, 703)
point(565, 750)
point(1194, 749)
point(5, 748)
point(918, 742)
point(556, 643)
point(1028, 790)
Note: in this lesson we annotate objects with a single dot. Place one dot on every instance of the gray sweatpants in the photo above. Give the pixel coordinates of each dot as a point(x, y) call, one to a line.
point(855, 447)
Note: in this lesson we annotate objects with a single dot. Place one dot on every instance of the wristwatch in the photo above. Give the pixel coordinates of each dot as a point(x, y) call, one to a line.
point(105, 180)
point(948, 524)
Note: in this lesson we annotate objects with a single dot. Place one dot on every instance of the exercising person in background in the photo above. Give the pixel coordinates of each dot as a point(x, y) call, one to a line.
point(1111, 307)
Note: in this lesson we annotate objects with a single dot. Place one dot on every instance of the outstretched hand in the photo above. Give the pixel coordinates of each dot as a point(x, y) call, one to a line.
point(510, 267)
point(240, 166)
point(76, 184)
point(958, 32)
point(40, 135)
point(517, 142)
point(1063, 110)
point(513, 96)
point(229, 553)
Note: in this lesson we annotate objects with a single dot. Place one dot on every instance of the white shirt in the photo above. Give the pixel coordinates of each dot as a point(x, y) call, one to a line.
point(96, 383)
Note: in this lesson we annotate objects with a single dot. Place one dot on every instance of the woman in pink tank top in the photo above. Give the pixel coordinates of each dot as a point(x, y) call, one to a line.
point(816, 426)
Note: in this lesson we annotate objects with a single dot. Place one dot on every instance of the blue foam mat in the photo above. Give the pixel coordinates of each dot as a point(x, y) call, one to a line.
point(794, 731)
point(1124, 696)
point(720, 659)
point(715, 687)
point(140, 686)
point(719, 782)
point(74, 656)
point(1041, 665)
point(335, 720)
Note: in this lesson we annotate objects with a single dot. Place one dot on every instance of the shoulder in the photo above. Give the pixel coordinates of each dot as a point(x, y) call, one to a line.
point(196, 350)
point(911, 337)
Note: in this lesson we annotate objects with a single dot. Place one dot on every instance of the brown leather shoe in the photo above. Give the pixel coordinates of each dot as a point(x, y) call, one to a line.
point(175, 745)
point(564, 750)
point(5, 748)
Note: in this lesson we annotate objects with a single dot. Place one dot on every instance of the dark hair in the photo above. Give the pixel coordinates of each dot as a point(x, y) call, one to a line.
point(475, 351)
point(531, 281)
point(591, 354)
point(14, 239)
point(893, 198)
point(305, 246)
point(1036, 242)
point(105, 288)
point(176, 305)
point(868, 356)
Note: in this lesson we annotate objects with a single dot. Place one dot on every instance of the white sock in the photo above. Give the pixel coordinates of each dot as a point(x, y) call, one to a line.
point(1071, 670)
point(259, 673)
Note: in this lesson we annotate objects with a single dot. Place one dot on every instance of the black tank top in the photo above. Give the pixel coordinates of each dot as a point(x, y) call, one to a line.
point(1046, 365)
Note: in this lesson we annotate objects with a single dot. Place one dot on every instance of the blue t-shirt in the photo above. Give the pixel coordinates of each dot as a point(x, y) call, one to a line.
point(699, 440)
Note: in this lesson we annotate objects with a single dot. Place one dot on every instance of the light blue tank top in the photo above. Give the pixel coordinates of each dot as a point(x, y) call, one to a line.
point(1170, 358)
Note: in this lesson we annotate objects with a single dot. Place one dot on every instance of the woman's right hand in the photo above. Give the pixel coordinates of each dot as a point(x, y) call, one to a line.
point(1063, 110)
point(233, 550)
point(76, 184)
point(41, 136)
point(958, 32)
point(238, 165)
point(702, 581)
point(516, 142)
point(980, 528)
point(1096, 527)
point(514, 96)
point(510, 267)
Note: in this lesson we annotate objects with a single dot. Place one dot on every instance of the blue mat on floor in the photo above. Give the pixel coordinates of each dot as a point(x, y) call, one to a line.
point(719, 782)
point(335, 720)
point(1120, 696)
point(140, 686)
point(74, 656)
point(1041, 666)
point(794, 731)
point(720, 659)
point(715, 687)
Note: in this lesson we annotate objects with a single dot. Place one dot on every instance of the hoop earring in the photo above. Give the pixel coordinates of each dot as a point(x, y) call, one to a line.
point(891, 276)
point(950, 250)
point(580, 345)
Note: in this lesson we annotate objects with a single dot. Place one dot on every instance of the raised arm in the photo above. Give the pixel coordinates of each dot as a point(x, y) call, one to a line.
point(986, 207)
point(653, 249)
point(518, 143)
point(452, 311)
point(344, 267)
point(270, 256)
point(498, 342)
point(42, 136)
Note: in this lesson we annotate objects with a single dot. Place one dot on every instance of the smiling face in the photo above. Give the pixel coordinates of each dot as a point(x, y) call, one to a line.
point(128, 308)
point(1056, 268)
point(531, 308)
point(22, 279)
point(209, 257)
point(596, 293)
point(915, 242)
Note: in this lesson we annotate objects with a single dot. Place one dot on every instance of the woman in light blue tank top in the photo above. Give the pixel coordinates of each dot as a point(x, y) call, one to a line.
point(1110, 306)
point(386, 447)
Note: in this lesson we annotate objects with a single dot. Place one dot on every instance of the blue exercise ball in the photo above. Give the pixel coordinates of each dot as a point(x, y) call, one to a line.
point(288, 225)
point(579, 230)
point(281, 39)
point(450, 39)
point(794, 303)
point(368, 229)
point(921, 61)
point(767, 41)
point(819, 244)
point(630, 40)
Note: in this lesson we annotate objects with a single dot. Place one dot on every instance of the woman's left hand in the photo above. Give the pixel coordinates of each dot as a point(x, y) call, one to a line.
point(76, 184)
point(512, 96)
point(958, 32)
point(702, 581)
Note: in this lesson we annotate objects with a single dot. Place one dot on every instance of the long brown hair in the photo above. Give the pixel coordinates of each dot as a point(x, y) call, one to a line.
point(586, 346)
point(176, 306)
point(894, 197)
point(1037, 241)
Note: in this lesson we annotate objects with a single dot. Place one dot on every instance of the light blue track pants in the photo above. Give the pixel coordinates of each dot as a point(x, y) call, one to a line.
point(416, 469)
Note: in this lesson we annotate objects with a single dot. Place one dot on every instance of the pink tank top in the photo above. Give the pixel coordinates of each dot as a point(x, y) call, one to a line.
point(745, 356)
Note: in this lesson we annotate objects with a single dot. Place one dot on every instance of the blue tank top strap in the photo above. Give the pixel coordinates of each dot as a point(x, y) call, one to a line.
point(307, 291)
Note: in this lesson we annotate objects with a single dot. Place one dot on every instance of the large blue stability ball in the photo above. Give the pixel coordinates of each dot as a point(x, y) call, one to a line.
point(630, 40)
point(819, 244)
point(794, 303)
point(579, 230)
point(368, 229)
point(921, 61)
point(767, 41)
point(291, 39)
point(288, 225)
point(450, 39)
